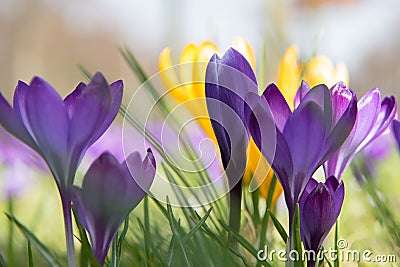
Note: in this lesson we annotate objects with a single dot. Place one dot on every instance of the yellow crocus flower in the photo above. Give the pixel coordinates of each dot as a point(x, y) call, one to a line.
point(182, 90)
point(319, 69)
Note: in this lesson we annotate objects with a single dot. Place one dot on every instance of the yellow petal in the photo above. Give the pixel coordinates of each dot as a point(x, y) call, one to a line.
point(168, 76)
point(246, 50)
point(342, 73)
point(319, 70)
point(259, 169)
point(186, 66)
point(205, 51)
point(289, 75)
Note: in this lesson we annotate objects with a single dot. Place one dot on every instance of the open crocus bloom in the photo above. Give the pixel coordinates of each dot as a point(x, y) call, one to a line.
point(110, 190)
point(320, 206)
point(305, 138)
point(374, 116)
point(61, 130)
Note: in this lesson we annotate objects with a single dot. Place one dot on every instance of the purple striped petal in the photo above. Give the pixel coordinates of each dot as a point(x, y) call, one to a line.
point(278, 105)
point(301, 92)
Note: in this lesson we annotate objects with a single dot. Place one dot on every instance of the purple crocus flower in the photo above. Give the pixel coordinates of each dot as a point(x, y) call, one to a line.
point(396, 132)
point(61, 130)
point(320, 206)
point(374, 116)
point(109, 192)
point(228, 81)
point(305, 139)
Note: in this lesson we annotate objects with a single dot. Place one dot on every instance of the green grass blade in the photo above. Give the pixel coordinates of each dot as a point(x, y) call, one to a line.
point(85, 72)
point(30, 256)
point(197, 226)
point(278, 226)
point(41, 248)
point(244, 243)
point(2, 261)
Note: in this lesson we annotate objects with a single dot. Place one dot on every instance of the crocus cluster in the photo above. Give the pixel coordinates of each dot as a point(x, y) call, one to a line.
point(61, 131)
point(327, 126)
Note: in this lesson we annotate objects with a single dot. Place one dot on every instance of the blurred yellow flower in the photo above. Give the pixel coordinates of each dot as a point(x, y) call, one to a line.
point(189, 85)
point(318, 70)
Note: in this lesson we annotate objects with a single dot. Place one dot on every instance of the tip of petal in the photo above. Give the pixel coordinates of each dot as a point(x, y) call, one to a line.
point(151, 158)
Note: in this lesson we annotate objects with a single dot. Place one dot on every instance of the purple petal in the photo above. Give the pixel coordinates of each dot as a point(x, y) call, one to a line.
point(48, 121)
point(71, 99)
point(88, 107)
point(317, 217)
point(11, 121)
point(116, 90)
point(304, 133)
point(301, 92)
point(338, 198)
point(396, 132)
point(321, 95)
point(385, 116)
point(341, 97)
point(278, 105)
point(142, 175)
point(342, 130)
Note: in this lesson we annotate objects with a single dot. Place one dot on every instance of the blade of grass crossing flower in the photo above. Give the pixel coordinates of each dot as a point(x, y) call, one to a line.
point(41, 248)
point(294, 243)
point(121, 237)
point(30, 257)
point(278, 226)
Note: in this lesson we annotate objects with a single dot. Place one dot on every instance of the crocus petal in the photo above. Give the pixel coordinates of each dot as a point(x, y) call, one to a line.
point(143, 174)
point(385, 116)
point(94, 103)
point(321, 95)
point(116, 90)
point(301, 92)
point(48, 121)
point(396, 132)
point(11, 121)
point(278, 105)
point(341, 97)
point(304, 133)
point(244, 48)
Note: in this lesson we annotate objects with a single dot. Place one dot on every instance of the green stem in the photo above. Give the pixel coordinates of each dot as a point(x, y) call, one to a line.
point(10, 250)
point(235, 201)
point(69, 235)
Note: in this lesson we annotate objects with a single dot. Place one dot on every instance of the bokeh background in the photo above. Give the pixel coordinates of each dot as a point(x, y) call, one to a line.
point(50, 38)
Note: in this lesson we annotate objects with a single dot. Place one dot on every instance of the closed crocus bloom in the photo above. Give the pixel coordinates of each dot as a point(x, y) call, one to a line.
point(305, 138)
point(110, 191)
point(318, 70)
point(182, 89)
point(374, 117)
point(320, 206)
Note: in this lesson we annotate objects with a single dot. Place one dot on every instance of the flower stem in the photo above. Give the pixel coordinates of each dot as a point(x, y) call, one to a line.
point(235, 201)
point(69, 235)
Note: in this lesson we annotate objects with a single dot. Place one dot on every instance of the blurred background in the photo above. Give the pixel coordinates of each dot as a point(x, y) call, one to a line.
point(49, 38)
